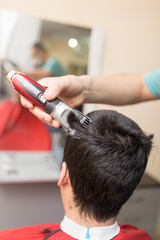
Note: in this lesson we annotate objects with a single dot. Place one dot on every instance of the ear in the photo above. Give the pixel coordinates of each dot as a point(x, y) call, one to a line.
point(64, 175)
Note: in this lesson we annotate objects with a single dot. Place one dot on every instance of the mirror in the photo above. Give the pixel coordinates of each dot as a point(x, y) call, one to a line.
point(69, 45)
point(72, 50)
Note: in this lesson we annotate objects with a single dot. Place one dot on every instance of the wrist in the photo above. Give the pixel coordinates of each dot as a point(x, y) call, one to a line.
point(87, 87)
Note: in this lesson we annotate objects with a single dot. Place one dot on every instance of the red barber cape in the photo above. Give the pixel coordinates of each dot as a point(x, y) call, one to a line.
point(40, 232)
point(21, 130)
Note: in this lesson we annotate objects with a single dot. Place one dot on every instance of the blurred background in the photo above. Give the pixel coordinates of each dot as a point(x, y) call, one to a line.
point(86, 37)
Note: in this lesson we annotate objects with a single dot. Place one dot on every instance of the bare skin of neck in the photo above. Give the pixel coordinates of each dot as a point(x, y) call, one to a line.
point(71, 210)
point(73, 213)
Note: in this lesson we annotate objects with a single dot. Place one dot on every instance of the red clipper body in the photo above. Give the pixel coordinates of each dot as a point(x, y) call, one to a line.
point(56, 108)
point(26, 87)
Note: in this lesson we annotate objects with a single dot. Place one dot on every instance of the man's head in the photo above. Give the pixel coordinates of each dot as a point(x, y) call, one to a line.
point(106, 164)
point(38, 52)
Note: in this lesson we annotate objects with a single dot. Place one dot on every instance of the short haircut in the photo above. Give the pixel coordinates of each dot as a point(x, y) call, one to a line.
point(39, 46)
point(107, 162)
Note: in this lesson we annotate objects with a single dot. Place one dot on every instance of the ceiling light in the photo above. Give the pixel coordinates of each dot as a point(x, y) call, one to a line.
point(72, 43)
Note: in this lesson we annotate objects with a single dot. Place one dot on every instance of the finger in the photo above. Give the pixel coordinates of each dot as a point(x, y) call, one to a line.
point(54, 123)
point(41, 115)
point(26, 103)
point(46, 118)
point(55, 86)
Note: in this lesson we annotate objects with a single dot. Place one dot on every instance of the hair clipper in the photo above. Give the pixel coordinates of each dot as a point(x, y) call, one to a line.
point(33, 91)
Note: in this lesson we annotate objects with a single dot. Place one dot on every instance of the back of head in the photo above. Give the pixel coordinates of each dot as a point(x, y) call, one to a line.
point(107, 162)
point(39, 46)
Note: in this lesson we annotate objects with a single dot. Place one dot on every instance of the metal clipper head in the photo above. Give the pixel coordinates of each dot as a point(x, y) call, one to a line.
point(85, 121)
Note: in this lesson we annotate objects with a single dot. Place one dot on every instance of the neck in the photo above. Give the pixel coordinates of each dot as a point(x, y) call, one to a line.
point(45, 57)
point(73, 213)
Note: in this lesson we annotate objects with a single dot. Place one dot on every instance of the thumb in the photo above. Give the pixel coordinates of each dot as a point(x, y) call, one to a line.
point(51, 93)
point(54, 87)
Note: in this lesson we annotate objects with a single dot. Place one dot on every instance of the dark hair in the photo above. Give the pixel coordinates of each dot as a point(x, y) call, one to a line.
point(39, 46)
point(107, 162)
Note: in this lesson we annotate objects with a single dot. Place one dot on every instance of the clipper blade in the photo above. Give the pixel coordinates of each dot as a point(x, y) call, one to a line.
point(85, 121)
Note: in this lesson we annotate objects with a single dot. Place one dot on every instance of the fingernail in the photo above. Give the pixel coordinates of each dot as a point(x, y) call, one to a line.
point(45, 119)
point(49, 94)
point(55, 124)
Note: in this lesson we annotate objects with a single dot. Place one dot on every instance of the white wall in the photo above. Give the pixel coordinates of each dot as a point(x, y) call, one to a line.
point(29, 204)
point(132, 27)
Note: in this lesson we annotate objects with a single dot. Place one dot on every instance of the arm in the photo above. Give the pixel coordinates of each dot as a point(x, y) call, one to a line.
point(119, 89)
point(38, 73)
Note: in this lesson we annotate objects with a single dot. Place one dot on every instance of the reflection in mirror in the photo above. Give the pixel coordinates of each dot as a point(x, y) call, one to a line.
point(18, 34)
point(39, 49)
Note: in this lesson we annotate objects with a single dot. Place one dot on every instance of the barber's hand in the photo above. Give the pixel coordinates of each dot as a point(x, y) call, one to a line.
point(70, 89)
